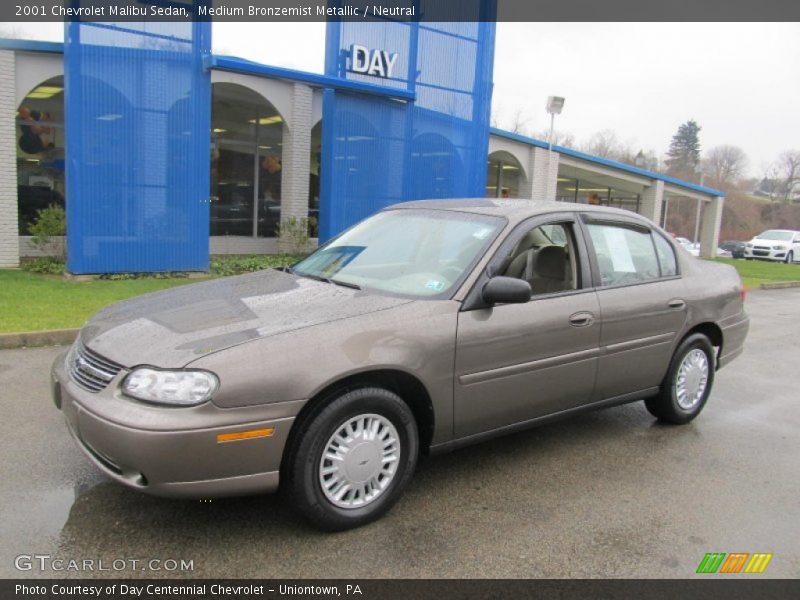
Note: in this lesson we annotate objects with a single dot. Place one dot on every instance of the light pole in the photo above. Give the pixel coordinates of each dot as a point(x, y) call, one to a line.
point(554, 106)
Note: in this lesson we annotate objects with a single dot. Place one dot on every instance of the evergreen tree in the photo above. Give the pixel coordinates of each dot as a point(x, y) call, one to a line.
point(684, 150)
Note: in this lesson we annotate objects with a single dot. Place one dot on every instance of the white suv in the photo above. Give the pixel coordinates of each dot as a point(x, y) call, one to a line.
point(775, 244)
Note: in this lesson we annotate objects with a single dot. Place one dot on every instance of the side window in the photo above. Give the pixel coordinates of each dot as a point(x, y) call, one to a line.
point(666, 256)
point(624, 255)
point(546, 258)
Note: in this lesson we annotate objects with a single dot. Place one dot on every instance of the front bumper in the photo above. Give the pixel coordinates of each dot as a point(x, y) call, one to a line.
point(765, 254)
point(174, 452)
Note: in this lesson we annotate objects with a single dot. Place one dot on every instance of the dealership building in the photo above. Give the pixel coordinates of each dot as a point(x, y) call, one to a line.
point(163, 153)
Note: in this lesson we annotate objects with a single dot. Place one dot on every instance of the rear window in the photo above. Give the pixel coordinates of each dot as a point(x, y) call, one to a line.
point(624, 255)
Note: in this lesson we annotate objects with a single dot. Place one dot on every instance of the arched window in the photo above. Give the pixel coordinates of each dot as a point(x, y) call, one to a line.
point(40, 151)
point(246, 162)
point(505, 176)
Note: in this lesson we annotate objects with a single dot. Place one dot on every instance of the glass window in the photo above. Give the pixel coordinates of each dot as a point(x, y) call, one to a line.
point(545, 258)
point(505, 176)
point(666, 256)
point(40, 151)
point(417, 253)
point(624, 255)
point(246, 163)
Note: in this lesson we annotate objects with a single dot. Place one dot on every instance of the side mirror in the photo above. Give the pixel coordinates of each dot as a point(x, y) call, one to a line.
point(506, 290)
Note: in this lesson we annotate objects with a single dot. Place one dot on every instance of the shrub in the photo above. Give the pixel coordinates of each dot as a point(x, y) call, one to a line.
point(50, 222)
point(234, 265)
point(47, 265)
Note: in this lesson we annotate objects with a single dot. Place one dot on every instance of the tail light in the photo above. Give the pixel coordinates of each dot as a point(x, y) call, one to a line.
point(743, 292)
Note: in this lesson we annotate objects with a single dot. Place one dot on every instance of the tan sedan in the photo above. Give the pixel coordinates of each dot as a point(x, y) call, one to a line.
point(427, 326)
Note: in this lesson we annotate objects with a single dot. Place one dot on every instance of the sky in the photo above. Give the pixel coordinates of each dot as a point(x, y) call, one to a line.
point(739, 81)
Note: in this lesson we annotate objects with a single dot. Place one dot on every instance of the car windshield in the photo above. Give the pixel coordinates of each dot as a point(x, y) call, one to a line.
point(774, 234)
point(409, 252)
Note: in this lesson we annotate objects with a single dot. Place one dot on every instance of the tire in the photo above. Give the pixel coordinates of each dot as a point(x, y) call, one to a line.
point(669, 405)
point(374, 484)
point(790, 257)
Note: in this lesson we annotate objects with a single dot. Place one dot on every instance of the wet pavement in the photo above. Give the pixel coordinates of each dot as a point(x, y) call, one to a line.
point(606, 494)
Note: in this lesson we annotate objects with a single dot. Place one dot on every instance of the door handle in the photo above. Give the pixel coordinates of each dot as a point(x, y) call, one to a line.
point(581, 319)
point(676, 304)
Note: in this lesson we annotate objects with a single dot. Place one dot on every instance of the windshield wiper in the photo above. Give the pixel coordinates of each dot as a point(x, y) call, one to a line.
point(346, 284)
point(321, 278)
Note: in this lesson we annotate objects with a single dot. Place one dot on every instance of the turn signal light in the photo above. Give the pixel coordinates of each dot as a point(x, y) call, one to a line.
point(245, 435)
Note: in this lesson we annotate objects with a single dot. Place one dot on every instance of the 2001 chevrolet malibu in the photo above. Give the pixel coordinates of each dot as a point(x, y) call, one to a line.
point(427, 326)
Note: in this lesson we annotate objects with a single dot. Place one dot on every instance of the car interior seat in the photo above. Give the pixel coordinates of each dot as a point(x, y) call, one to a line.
point(550, 270)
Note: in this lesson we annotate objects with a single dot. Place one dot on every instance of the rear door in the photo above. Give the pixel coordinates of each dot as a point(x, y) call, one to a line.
point(642, 304)
point(517, 362)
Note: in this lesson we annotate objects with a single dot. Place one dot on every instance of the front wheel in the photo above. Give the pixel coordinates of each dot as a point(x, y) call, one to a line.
point(687, 384)
point(790, 257)
point(352, 461)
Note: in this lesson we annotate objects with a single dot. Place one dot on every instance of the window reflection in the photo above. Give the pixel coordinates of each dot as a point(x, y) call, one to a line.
point(246, 163)
point(40, 151)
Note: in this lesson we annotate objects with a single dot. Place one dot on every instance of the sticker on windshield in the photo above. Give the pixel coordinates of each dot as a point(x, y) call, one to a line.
point(483, 233)
point(436, 286)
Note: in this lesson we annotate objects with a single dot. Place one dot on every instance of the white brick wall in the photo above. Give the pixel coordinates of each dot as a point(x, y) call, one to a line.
point(9, 232)
point(652, 201)
point(297, 156)
point(709, 231)
point(543, 169)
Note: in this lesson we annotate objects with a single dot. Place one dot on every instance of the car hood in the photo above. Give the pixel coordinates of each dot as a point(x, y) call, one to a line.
point(174, 327)
point(766, 242)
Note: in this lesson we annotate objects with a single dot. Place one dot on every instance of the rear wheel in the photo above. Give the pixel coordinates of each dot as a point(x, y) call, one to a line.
point(353, 460)
point(687, 384)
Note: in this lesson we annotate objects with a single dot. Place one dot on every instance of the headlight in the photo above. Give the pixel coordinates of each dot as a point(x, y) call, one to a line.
point(178, 388)
point(779, 247)
point(748, 245)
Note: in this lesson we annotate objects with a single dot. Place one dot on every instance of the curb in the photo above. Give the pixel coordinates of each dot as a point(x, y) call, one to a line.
point(53, 337)
point(780, 285)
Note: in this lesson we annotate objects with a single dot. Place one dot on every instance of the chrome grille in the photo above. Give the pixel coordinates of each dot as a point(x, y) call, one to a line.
point(89, 370)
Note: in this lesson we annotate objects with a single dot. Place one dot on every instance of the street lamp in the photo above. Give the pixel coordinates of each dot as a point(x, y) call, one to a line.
point(554, 106)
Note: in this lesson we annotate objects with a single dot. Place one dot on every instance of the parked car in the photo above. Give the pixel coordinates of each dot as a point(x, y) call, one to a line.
point(734, 247)
point(428, 326)
point(694, 248)
point(774, 244)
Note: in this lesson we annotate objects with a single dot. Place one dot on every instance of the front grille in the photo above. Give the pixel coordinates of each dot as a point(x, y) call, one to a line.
point(89, 370)
point(760, 252)
point(767, 248)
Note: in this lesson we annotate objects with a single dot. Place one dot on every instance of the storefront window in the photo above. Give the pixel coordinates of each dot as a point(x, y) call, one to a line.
point(589, 192)
point(40, 151)
point(313, 182)
point(246, 163)
point(504, 177)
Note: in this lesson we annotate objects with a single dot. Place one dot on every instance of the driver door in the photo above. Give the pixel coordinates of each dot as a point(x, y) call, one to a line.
point(518, 362)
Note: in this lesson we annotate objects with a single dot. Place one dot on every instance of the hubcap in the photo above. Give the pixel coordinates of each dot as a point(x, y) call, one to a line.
point(359, 461)
point(690, 384)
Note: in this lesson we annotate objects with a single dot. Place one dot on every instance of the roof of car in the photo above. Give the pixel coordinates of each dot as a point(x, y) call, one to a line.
point(512, 209)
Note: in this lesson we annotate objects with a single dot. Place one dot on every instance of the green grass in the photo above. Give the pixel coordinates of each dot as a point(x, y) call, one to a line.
point(756, 272)
point(33, 302)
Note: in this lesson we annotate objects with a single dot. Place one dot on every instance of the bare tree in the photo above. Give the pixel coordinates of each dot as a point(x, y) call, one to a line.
point(519, 122)
point(604, 144)
point(788, 171)
point(725, 164)
point(560, 138)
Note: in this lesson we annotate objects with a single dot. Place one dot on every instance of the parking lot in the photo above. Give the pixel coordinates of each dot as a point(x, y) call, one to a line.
point(606, 494)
